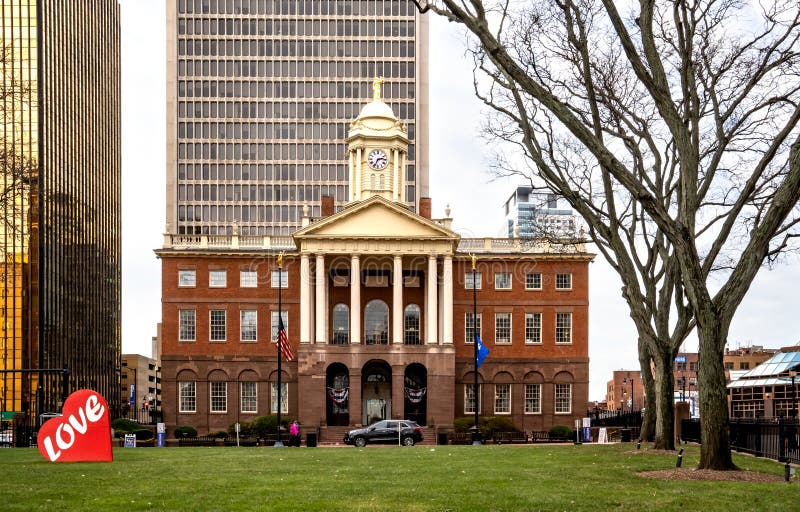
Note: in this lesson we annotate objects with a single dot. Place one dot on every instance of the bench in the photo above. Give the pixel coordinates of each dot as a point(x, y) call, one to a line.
point(270, 439)
point(243, 441)
point(509, 437)
point(545, 437)
point(461, 438)
point(198, 441)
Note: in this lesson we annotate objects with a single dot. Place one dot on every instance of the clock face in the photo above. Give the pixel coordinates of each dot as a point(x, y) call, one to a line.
point(377, 159)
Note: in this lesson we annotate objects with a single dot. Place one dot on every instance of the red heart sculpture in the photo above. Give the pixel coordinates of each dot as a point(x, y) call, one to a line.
point(82, 434)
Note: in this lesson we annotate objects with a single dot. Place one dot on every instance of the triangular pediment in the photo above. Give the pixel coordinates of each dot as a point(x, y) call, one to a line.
point(376, 217)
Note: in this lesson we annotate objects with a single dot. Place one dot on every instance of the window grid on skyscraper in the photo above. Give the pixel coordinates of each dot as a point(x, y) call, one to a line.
point(264, 93)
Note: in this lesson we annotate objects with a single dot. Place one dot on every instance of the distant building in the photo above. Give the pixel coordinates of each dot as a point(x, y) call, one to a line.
point(533, 213)
point(684, 372)
point(746, 358)
point(140, 383)
point(625, 391)
point(60, 203)
point(770, 389)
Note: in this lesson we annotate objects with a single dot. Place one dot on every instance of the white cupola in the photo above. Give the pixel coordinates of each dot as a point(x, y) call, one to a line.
point(377, 147)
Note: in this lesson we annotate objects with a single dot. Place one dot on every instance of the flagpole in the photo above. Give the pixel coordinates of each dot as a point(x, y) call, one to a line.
point(476, 433)
point(278, 442)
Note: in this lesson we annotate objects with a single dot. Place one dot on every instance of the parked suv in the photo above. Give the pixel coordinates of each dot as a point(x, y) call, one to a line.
point(387, 431)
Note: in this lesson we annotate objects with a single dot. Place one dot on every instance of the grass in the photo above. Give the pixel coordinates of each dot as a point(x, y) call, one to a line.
point(422, 478)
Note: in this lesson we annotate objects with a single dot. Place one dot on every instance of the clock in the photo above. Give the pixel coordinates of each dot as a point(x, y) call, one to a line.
point(377, 159)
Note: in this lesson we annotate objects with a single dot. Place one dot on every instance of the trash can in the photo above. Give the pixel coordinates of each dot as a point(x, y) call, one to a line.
point(625, 435)
point(311, 439)
point(441, 438)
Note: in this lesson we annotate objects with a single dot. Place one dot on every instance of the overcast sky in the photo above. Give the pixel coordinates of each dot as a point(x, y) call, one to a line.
point(765, 317)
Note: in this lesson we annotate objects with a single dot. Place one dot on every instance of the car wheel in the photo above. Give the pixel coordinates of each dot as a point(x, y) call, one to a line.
point(360, 442)
point(408, 441)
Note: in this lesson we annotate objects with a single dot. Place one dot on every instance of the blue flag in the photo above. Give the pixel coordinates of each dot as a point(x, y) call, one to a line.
point(482, 351)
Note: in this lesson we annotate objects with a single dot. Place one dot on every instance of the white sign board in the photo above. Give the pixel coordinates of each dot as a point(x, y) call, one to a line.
point(130, 441)
point(602, 438)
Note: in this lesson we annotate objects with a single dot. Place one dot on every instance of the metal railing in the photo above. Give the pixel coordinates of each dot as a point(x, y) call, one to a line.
point(778, 440)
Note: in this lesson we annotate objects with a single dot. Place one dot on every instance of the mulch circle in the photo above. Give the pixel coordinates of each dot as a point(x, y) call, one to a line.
point(708, 474)
point(702, 474)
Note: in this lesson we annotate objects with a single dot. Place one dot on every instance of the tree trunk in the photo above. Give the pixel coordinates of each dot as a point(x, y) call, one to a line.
point(649, 422)
point(664, 402)
point(715, 450)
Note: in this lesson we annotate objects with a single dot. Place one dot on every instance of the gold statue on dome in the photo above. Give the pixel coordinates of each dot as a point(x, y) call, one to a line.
point(376, 88)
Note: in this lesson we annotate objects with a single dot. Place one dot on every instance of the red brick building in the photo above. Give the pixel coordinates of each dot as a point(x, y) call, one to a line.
point(378, 305)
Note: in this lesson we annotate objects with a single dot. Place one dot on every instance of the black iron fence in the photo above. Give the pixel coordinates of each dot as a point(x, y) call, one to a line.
point(777, 440)
point(615, 418)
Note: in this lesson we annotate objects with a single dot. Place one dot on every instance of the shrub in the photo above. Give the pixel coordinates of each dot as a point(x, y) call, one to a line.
point(561, 431)
point(260, 427)
point(143, 434)
point(486, 424)
point(218, 435)
point(124, 426)
point(185, 431)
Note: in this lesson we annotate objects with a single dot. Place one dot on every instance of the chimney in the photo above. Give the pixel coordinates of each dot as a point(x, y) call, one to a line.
point(425, 207)
point(326, 206)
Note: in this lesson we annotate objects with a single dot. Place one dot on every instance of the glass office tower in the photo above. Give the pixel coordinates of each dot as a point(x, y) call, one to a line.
point(260, 95)
point(60, 201)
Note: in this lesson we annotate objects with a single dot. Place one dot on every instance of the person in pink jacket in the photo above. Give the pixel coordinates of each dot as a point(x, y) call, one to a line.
point(294, 434)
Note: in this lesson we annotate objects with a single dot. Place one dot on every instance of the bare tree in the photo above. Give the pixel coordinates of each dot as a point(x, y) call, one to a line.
point(673, 130)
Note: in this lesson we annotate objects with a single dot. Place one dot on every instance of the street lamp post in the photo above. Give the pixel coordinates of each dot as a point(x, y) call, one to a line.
point(793, 374)
point(633, 399)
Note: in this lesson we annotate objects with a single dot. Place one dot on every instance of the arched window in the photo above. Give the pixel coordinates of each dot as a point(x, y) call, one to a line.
point(411, 325)
point(376, 323)
point(382, 182)
point(372, 182)
point(341, 324)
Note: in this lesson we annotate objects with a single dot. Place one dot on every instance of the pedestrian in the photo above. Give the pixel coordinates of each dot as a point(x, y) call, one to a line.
point(294, 434)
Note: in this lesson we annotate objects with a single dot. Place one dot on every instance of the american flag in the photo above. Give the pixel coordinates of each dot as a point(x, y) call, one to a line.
point(283, 342)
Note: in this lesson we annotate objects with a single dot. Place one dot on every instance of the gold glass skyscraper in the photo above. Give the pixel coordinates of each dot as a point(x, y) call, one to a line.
point(60, 201)
point(260, 96)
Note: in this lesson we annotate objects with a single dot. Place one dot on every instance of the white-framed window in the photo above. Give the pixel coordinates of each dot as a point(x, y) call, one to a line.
point(187, 325)
point(533, 328)
point(563, 281)
point(502, 328)
point(468, 280)
point(248, 319)
point(187, 278)
point(187, 396)
point(248, 279)
point(274, 320)
point(533, 399)
point(249, 397)
point(471, 325)
point(284, 397)
point(284, 279)
point(341, 324)
point(563, 404)
point(502, 281)
point(502, 398)
point(217, 325)
point(411, 325)
point(469, 398)
point(217, 278)
point(219, 397)
point(533, 281)
point(563, 327)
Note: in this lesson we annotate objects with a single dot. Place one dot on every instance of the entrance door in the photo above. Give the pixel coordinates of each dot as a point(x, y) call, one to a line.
point(376, 392)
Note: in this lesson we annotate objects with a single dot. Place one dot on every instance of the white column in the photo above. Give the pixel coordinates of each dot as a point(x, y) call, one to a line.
point(355, 299)
point(447, 306)
point(431, 318)
point(397, 171)
point(305, 299)
point(357, 169)
point(320, 302)
point(397, 301)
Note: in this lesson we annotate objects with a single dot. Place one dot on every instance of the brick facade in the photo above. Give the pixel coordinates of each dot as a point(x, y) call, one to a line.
point(516, 366)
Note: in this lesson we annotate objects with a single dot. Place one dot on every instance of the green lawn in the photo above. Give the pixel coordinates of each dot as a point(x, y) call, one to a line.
point(436, 478)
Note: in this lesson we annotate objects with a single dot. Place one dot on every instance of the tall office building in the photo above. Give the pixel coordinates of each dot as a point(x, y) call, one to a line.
point(260, 97)
point(60, 201)
point(537, 213)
